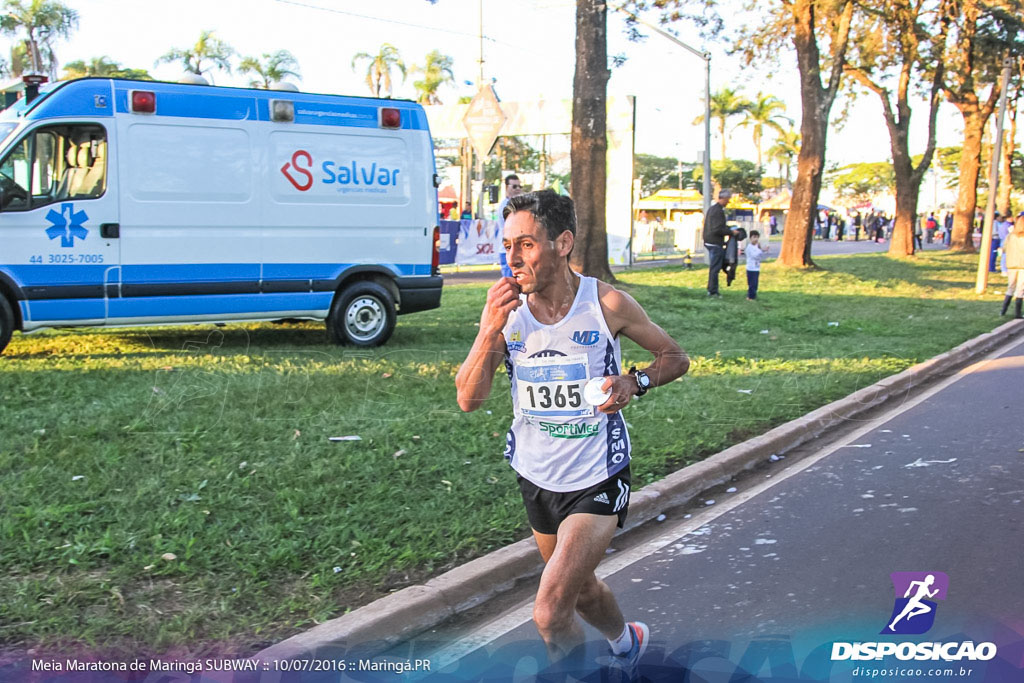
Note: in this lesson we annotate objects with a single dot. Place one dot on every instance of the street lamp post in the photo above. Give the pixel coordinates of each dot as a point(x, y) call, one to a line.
point(993, 183)
point(706, 56)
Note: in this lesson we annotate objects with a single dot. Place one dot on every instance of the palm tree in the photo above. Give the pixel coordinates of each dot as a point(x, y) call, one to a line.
point(209, 49)
point(378, 72)
point(436, 72)
point(764, 112)
point(274, 67)
point(40, 21)
point(104, 67)
point(725, 104)
point(785, 149)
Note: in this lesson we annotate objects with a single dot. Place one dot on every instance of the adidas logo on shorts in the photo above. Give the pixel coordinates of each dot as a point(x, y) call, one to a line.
point(602, 498)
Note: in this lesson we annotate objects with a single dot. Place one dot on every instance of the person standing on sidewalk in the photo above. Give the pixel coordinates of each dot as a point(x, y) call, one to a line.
point(1014, 249)
point(715, 232)
point(554, 330)
point(513, 188)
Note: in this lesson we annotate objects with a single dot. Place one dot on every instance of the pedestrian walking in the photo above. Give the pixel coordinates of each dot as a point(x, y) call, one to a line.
point(918, 231)
point(715, 232)
point(856, 226)
point(993, 255)
point(1002, 231)
point(754, 252)
point(1015, 267)
point(947, 223)
point(930, 226)
point(569, 447)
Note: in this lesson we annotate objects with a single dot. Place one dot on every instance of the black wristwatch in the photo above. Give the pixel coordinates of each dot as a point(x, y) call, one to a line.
point(643, 382)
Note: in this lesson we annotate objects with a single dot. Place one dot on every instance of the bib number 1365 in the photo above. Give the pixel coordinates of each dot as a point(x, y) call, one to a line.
point(561, 396)
point(552, 387)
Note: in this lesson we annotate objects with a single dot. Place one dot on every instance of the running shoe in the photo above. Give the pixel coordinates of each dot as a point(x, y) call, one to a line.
point(640, 635)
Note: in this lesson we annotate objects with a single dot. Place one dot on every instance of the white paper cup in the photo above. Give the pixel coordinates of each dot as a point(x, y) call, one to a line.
point(593, 393)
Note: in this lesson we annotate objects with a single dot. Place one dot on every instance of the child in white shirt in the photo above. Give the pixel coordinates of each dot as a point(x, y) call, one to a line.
point(755, 252)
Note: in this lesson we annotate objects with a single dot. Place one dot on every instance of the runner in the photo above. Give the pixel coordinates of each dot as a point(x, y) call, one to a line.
point(554, 330)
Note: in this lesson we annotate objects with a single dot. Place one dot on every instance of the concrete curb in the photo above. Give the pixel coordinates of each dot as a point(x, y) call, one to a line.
point(415, 609)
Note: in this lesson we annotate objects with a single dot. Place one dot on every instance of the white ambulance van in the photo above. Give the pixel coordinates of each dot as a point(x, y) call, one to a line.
point(141, 203)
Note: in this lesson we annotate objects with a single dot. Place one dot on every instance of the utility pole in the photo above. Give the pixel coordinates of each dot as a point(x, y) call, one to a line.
point(706, 56)
point(993, 184)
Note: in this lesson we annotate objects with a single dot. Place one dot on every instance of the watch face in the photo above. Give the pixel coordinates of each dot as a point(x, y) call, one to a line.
point(644, 380)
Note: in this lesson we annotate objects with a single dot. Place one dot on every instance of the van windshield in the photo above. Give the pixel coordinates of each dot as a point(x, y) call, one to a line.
point(5, 130)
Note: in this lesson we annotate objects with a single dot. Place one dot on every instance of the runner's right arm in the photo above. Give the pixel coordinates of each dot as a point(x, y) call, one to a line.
point(473, 382)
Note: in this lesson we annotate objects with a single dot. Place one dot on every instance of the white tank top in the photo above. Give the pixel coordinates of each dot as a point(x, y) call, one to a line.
point(558, 441)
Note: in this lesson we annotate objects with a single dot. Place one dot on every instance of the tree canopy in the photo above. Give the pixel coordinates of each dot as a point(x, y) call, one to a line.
point(208, 53)
point(39, 22)
point(273, 67)
point(379, 67)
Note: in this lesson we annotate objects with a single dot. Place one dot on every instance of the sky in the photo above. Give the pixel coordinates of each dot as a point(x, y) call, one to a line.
point(528, 51)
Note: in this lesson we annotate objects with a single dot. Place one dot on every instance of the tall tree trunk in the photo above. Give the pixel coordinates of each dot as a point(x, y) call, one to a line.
point(897, 121)
point(588, 156)
point(908, 187)
point(1009, 144)
point(816, 104)
point(975, 119)
point(721, 130)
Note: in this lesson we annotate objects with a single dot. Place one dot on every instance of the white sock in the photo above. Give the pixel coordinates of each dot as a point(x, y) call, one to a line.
point(622, 644)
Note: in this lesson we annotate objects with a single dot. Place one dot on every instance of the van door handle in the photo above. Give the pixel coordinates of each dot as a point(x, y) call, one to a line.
point(110, 230)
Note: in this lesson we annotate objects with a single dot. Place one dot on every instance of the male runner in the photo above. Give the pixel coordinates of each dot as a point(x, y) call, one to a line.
point(555, 329)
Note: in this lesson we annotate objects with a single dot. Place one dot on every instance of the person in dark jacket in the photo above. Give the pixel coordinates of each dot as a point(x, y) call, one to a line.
point(715, 232)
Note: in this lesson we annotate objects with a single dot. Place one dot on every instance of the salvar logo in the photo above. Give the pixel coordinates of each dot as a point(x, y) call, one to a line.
point(922, 652)
point(359, 174)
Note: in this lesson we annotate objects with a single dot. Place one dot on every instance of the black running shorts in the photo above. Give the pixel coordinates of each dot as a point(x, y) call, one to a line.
point(546, 510)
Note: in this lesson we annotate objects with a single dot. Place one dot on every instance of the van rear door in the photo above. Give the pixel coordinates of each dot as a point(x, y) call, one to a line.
point(59, 222)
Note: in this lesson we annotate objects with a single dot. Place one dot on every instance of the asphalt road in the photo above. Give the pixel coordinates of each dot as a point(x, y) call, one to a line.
point(820, 248)
point(759, 585)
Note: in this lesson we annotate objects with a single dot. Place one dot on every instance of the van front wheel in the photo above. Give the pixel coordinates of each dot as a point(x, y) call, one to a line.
point(6, 322)
point(363, 314)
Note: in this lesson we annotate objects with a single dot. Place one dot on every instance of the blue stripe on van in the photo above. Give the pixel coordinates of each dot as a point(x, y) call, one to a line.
point(88, 98)
point(190, 272)
point(28, 275)
point(65, 309)
point(91, 97)
point(176, 306)
point(197, 105)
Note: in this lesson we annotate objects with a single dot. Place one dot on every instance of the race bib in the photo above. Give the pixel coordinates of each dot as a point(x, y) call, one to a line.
point(553, 386)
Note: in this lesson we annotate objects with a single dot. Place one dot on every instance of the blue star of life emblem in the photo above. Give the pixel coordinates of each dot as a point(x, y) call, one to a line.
point(67, 225)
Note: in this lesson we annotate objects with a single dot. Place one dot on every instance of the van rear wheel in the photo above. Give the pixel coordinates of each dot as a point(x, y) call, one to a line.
point(6, 322)
point(363, 314)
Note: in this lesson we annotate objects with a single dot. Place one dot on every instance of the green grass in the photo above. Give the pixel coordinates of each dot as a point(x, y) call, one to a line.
point(212, 444)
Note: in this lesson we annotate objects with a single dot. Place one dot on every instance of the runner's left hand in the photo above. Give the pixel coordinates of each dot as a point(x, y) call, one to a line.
point(623, 388)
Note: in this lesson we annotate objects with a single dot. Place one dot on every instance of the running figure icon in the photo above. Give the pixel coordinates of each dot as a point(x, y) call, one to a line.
point(915, 606)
